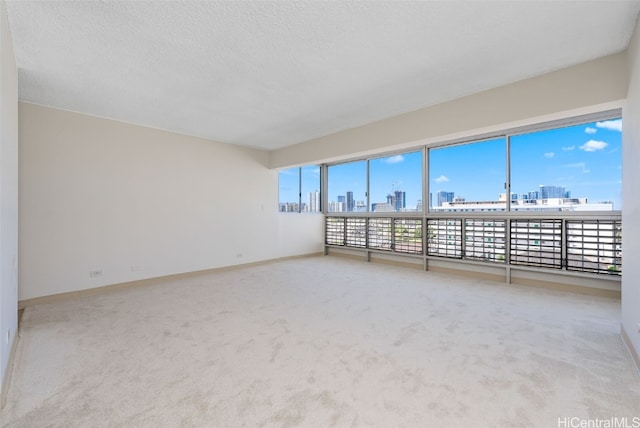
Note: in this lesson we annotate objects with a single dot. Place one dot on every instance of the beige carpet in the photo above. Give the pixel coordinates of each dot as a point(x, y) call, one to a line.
point(318, 342)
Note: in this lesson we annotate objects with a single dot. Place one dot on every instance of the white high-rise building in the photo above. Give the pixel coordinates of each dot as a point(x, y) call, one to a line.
point(313, 204)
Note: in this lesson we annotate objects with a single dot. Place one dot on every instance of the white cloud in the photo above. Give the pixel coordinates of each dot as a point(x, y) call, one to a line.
point(568, 148)
point(395, 159)
point(593, 145)
point(611, 125)
point(442, 179)
point(590, 130)
point(549, 155)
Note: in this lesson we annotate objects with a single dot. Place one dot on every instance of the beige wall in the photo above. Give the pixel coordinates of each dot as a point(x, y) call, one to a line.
point(138, 203)
point(631, 198)
point(8, 197)
point(590, 87)
point(301, 234)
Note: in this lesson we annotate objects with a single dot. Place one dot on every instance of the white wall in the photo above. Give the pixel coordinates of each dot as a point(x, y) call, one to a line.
point(586, 88)
point(301, 234)
point(631, 198)
point(8, 196)
point(101, 194)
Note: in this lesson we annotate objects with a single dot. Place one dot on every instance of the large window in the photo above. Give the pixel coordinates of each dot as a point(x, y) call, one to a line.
point(395, 183)
point(472, 186)
point(468, 177)
point(567, 168)
point(347, 187)
point(574, 168)
point(299, 189)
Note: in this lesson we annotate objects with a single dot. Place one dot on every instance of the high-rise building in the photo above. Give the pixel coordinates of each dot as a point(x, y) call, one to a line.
point(289, 207)
point(335, 207)
point(547, 192)
point(399, 200)
point(391, 200)
point(444, 197)
point(313, 204)
point(350, 202)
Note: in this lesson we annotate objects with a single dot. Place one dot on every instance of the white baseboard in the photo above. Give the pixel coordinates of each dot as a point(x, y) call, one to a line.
point(627, 341)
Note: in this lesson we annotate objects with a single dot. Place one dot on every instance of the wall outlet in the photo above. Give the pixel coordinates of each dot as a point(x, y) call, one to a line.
point(239, 255)
point(136, 268)
point(96, 273)
point(8, 336)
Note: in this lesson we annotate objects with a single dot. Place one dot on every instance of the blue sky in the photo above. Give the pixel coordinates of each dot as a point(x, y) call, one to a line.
point(585, 159)
point(289, 183)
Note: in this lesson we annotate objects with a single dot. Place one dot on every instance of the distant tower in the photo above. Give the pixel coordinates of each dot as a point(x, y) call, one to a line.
point(547, 192)
point(444, 197)
point(350, 202)
point(391, 200)
point(399, 200)
point(314, 202)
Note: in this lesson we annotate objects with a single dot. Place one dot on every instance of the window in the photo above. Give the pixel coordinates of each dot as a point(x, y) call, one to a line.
point(574, 168)
point(347, 188)
point(468, 177)
point(396, 183)
point(299, 189)
point(289, 190)
point(310, 189)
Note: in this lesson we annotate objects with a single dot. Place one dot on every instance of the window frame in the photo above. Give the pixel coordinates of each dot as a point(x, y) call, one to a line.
point(505, 133)
point(299, 202)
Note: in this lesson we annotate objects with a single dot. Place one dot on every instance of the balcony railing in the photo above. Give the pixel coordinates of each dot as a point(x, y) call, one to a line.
point(588, 244)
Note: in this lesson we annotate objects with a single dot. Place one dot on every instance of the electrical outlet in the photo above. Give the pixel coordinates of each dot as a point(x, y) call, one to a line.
point(136, 268)
point(96, 273)
point(8, 335)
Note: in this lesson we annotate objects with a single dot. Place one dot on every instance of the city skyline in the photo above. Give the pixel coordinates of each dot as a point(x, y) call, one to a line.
point(585, 159)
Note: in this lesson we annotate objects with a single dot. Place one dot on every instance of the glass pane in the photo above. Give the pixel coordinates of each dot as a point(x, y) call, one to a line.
point(576, 168)
point(347, 187)
point(289, 190)
point(310, 189)
point(395, 183)
point(468, 177)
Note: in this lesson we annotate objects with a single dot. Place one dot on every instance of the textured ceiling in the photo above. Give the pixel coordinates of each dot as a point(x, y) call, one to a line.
point(269, 74)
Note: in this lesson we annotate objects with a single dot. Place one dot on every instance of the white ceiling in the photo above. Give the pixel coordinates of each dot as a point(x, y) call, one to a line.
point(269, 74)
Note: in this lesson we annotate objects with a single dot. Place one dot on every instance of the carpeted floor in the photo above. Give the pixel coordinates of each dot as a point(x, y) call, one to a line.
point(322, 341)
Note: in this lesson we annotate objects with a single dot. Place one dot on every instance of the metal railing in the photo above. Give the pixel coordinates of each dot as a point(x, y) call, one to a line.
point(589, 243)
